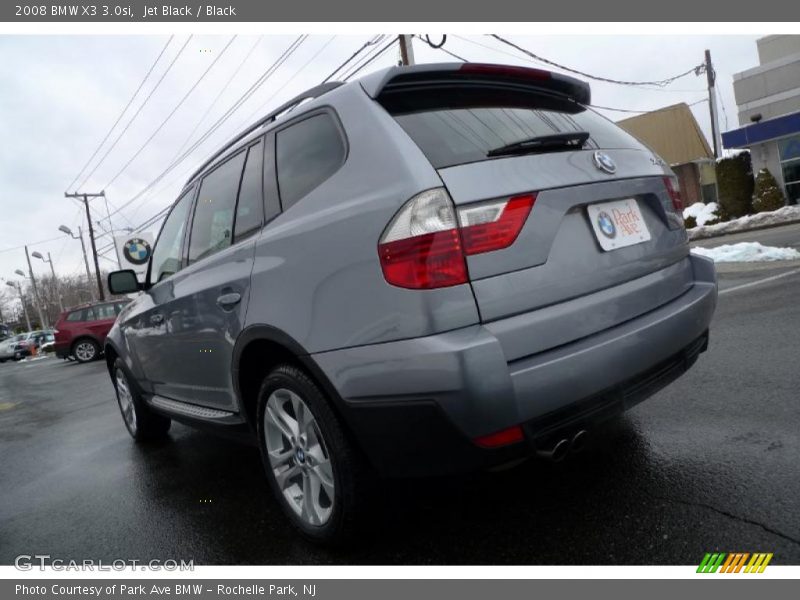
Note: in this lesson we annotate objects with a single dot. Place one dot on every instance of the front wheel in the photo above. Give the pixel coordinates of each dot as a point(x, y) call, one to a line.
point(140, 421)
point(318, 476)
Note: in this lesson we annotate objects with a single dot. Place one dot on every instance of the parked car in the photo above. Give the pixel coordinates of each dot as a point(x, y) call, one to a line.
point(22, 345)
point(433, 269)
point(81, 331)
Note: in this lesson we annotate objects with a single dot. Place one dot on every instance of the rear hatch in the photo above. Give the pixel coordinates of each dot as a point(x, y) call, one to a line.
point(604, 209)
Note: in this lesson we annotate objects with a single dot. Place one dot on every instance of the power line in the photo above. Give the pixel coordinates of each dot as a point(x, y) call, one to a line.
point(345, 73)
point(219, 95)
point(369, 43)
point(372, 59)
point(440, 46)
point(32, 244)
point(136, 114)
point(659, 83)
point(172, 112)
point(286, 83)
point(124, 110)
point(626, 110)
point(218, 123)
point(722, 104)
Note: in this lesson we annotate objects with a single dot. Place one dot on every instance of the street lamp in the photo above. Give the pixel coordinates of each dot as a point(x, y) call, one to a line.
point(37, 303)
point(38, 255)
point(68, 231)
point(18, 287)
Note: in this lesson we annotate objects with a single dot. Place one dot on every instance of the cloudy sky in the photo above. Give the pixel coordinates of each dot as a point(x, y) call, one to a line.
point(61, 95)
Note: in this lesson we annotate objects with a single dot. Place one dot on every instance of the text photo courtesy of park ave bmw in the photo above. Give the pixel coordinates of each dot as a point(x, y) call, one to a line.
point(363, 298)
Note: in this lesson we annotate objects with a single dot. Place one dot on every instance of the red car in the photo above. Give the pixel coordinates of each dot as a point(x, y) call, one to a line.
point(81, 331)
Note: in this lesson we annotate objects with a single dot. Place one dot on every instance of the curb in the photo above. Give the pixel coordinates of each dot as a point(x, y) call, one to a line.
point(756, 228)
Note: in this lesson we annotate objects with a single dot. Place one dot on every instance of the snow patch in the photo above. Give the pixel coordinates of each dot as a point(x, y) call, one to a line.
point(747, 252)
point(703, 213)
point(787, 214)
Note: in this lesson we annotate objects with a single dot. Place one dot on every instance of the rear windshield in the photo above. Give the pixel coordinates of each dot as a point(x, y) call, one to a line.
point(450, 136)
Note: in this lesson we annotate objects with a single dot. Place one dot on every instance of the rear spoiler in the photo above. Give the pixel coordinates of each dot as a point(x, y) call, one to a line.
point(428, 77)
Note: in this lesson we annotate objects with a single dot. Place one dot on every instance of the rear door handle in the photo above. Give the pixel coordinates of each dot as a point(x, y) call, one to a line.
point(156, 319)
point(228, 301)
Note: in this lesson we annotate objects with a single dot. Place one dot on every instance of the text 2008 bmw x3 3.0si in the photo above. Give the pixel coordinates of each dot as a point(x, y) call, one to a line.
point(432, 269)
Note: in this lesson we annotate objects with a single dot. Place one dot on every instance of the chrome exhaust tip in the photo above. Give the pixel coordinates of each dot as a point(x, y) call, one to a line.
point(579, 441)
point(556, 453)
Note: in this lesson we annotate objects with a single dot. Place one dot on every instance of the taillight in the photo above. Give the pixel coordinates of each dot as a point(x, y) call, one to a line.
point(505, 71)
point(421, 247)
point(493, 225)
point(425, 245)
point(504, 437)
point(674, 191)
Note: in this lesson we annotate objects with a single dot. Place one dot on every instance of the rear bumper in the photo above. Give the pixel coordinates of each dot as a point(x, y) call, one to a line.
point(62, 350)
point(415, 405)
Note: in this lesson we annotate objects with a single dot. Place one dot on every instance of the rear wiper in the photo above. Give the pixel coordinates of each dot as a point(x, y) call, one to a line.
point(572, 140)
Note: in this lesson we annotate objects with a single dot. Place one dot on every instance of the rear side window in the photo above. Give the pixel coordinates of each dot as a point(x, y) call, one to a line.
point(212, 226)
point(307, 153)
point(450, 137)
point(250, 207)
point(104, 311)
point(75, 315)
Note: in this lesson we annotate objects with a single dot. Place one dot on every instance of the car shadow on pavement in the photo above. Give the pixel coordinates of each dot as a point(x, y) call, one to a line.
point(212, 493)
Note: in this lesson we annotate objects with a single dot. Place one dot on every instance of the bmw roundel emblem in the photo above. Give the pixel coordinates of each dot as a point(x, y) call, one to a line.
point(604, 162)
point(136, 251)
point(606, 225)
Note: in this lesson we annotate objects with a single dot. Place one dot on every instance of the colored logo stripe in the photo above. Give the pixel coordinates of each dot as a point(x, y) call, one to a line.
point(734, 562)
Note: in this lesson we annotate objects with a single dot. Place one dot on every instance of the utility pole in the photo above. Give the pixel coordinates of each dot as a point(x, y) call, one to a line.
point(711, 77)
point(42, 321)
point(85, 199)
point(406, 49)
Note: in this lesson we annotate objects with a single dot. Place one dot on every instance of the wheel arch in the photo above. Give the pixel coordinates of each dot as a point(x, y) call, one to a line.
point(258, 349)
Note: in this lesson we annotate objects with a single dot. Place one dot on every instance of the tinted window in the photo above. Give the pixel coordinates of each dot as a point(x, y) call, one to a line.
point(308, 152)
point(455, 136)
point(75, 316)
point(212, 226)
point(250, 207)
point(167, 254)
point(105, 311)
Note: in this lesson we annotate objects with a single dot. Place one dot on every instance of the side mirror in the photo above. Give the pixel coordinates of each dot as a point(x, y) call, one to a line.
point(123, 282)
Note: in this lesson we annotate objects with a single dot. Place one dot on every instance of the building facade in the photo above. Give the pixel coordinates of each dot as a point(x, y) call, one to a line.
point(672, 132)
point(768, 101)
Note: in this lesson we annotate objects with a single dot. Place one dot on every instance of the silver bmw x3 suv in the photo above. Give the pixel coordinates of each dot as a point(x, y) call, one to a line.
point(431, 269)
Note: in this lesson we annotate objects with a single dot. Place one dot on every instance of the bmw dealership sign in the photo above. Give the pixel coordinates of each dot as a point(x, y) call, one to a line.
point(133, 251)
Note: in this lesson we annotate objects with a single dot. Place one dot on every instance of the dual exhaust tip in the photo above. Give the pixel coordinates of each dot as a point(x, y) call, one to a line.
point(565, 446)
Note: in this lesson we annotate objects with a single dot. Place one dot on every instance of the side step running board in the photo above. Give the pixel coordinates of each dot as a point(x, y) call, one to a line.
point(191, 410)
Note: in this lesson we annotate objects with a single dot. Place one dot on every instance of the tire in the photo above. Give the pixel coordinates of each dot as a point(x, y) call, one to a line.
point(140, 421)
point(316, 449)
point(85, 350)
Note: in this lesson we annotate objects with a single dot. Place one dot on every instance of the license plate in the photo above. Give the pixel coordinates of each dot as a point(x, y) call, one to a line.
point(618, 223)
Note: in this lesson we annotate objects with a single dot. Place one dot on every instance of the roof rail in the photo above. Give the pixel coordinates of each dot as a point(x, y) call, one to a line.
point(314, 92)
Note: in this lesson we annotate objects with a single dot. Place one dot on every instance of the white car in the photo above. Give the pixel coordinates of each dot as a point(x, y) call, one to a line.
point(19, 346)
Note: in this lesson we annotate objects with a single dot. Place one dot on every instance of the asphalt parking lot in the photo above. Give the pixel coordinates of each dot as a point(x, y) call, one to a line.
point(710, 463)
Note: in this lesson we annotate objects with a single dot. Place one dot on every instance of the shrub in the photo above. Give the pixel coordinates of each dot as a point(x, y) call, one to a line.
point(735, 186)
point(768, 195)
point(690, 222)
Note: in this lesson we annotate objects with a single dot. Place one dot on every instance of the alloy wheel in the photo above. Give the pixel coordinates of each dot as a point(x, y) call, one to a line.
point(298, 457)
point(125, 399)
point(85, 351)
